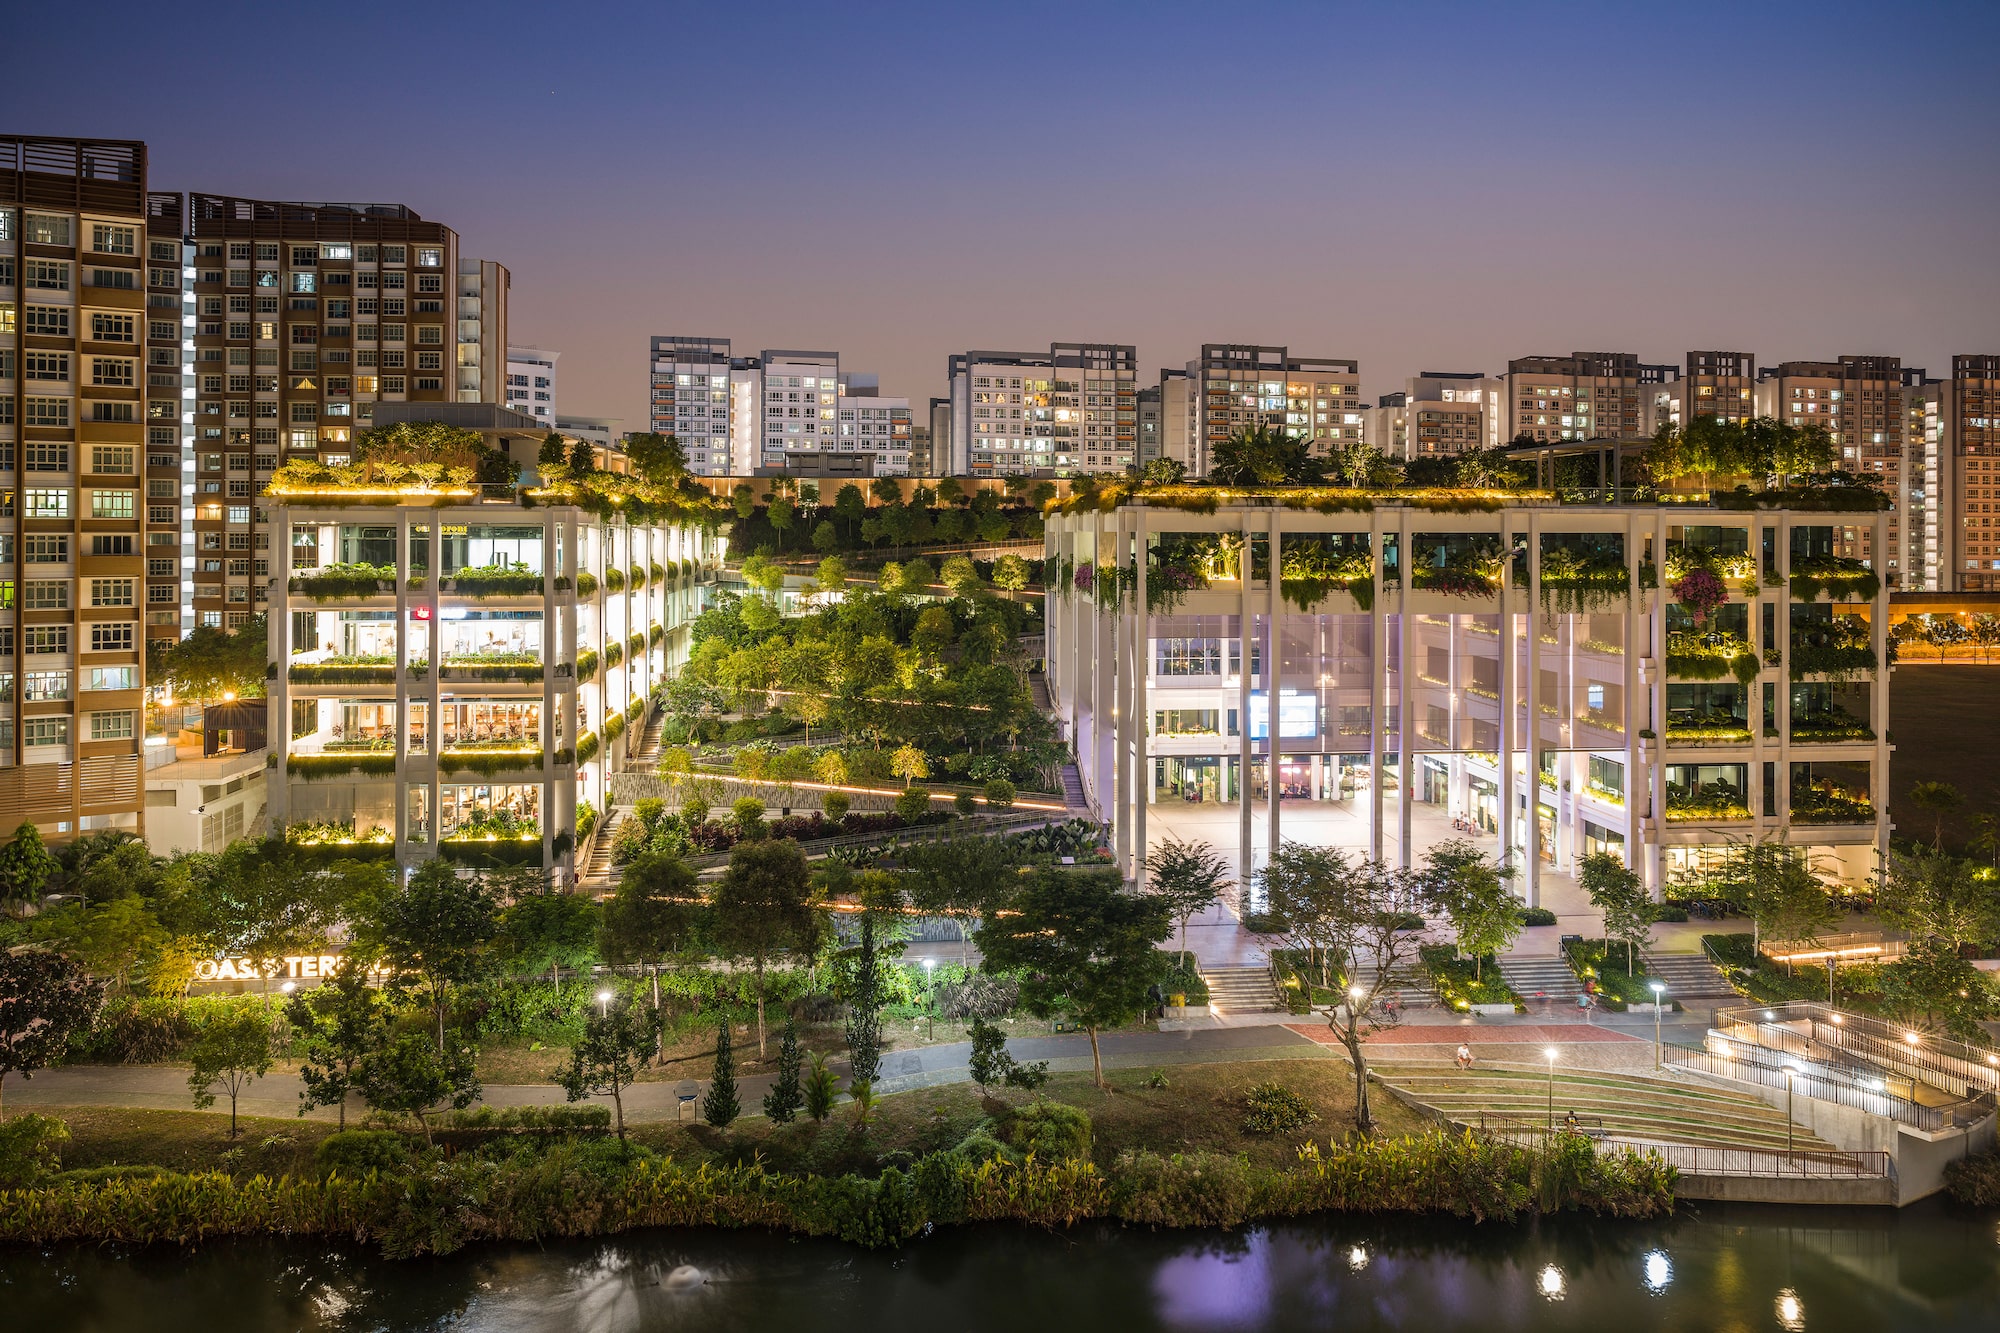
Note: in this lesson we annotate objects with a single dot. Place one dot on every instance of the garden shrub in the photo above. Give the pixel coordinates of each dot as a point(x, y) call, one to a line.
point(356, 1152)
point(913, 804)
point(1191, 1189)
point(1536, 916)
point(578, 1189)
point(30, 1149)
point(1275, 1109)
point(1049, 1130)
point(999, 793)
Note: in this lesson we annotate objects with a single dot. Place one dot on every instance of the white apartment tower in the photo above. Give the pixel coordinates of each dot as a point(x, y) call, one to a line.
point(1439, 412)
point(1584, 396)
point(1882, 415)
point(531, 383)
point(1073, 409)
point(1234, 387)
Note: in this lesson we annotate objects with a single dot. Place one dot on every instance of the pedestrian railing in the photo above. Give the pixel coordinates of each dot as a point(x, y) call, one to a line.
point(1747, 1063)
point(1817, 1164)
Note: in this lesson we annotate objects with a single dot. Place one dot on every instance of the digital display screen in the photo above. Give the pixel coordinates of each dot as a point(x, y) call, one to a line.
point(1298, 715)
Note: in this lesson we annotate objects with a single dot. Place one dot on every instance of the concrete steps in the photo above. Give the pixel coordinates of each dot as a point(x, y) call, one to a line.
point(1536, 978)
point(1241, 990)
point(600, 853)
point(1628, 1105)
point(1691, 979)
point(1073, 794)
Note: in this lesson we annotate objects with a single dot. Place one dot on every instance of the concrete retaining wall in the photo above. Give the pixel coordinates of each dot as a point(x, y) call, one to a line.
point(1877, 1191)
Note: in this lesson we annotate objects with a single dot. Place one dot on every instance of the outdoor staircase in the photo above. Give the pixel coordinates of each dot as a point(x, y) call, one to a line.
point(648, 751)
point(599, 867)
point(1621, 1105)
point(1534, 979)
point(1241, 990)
point(1406, 997)
point(1072, 782)
point(1691, 979)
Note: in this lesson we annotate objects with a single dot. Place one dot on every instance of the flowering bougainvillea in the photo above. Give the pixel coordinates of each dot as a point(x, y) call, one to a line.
point(1086, 576)
point(1701, 592)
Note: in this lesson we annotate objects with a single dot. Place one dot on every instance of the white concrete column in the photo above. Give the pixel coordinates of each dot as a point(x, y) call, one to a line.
point(1633, 715)
point(1116, 727)
point(1533, 746)
point(1274, 658)
point(1378, 667)
point(1141, 724)
point(1508, 796)
point(1244, 568)
point(1405, 723)
point(402, 684)
point(278, 711)
point(1878, 700)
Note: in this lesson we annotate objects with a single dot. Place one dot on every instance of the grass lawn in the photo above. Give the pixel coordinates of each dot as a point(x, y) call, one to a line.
point(184, 1140)
point(1199, 1109)
point(690, 1053)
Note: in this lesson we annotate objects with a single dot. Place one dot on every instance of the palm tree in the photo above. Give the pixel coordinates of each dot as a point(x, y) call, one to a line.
point(1261, 456)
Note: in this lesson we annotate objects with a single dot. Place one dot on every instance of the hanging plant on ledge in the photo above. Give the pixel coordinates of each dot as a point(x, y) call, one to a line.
point(1701, 592)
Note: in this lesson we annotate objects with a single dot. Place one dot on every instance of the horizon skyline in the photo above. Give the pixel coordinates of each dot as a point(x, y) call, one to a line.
point(1793, 193)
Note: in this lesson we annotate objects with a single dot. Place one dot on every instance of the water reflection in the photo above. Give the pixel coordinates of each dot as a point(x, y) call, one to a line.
point(1926, 1268)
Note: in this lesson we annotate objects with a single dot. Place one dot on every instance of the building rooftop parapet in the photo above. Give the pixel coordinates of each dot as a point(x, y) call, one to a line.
point(1206, 499)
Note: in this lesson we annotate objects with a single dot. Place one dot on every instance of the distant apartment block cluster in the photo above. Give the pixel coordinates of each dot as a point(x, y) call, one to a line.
point(789, 411)
point(1080, 408)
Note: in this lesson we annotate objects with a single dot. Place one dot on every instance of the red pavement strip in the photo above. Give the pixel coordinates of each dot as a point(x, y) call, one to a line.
point(1452, 1035)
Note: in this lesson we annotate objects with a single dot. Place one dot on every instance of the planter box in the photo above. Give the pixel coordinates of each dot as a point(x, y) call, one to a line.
point(1492, 1009)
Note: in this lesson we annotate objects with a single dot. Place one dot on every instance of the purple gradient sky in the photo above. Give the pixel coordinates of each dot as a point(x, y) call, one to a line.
point(1417, 187)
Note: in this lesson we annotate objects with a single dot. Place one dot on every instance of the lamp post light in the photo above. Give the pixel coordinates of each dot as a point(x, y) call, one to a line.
point(1550, 1052)
point(1659, 989)
point(930, 1007)
point(1790, 1072)
point(603, 1003)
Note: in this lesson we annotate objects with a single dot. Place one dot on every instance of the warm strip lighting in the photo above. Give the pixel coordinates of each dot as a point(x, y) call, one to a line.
point(858, 791)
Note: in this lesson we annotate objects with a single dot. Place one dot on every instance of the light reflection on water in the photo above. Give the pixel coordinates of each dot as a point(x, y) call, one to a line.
point(1726, 1268)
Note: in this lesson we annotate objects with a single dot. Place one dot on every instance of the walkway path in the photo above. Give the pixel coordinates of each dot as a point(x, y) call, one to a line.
point(164, 1087)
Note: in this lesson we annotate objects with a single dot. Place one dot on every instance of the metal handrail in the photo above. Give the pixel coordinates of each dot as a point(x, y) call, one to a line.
point(1698, 1160)
point(1975, 1068)
point(1750, 1069)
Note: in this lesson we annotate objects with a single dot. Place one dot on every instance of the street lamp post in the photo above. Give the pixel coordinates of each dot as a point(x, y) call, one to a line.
point(603, 1003)
point(1790, 1070)
point(1659, 989)
point(930, 1005)
point(1550, 1052)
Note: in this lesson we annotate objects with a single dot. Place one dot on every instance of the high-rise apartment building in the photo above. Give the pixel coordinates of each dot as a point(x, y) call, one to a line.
point(697, 401)
point(1715, 384)
point(1968, 475)
point(1874, 408)
point(531, 383)
point(1583, 396)
point(482, 330)
point(935, 455)
point(307, 315)
point(872, 424)
point(734, 415)
point(799, 398)
point(1149, 425)
point(90, 360)
point(1439, 412)
point(1174, 416)
point(1073, 409)
point(1234, 387)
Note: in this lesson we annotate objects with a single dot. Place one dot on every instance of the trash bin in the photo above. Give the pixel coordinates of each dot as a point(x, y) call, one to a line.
point(687, 1092)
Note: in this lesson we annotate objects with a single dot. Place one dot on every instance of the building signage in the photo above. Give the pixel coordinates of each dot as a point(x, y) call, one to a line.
point(297, 967)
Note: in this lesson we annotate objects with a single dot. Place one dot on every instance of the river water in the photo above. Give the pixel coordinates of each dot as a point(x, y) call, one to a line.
point(1729, 1269)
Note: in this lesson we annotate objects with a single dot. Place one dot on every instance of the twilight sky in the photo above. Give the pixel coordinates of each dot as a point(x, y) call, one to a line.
point(1418, 187)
